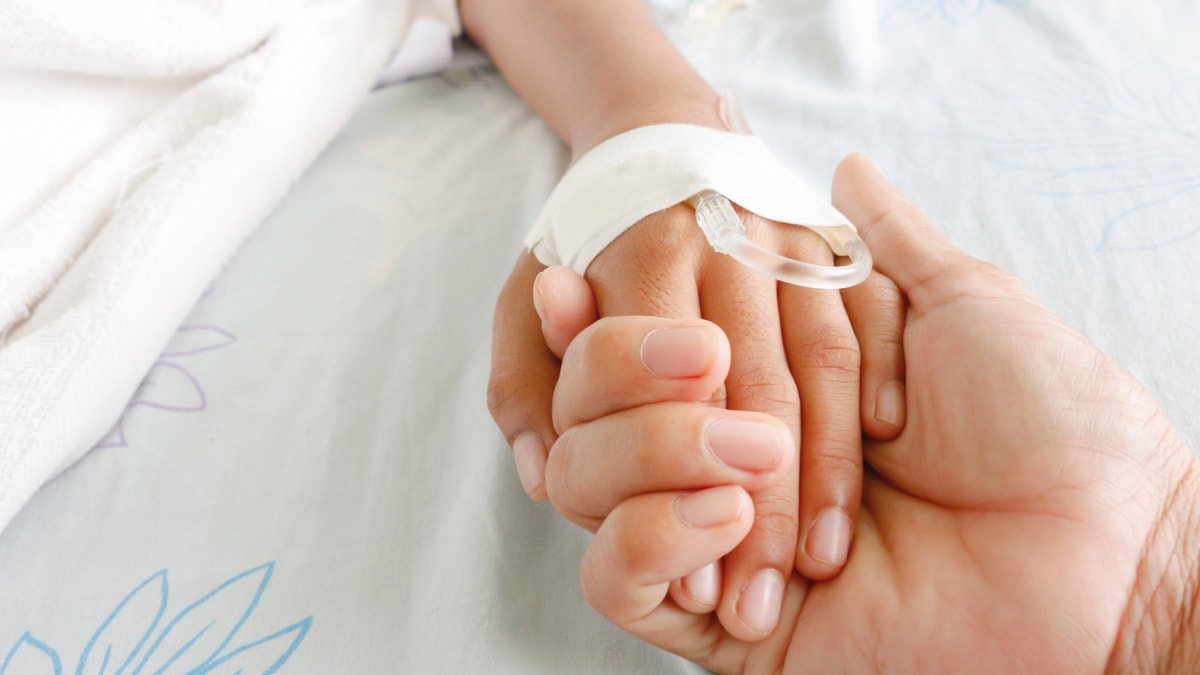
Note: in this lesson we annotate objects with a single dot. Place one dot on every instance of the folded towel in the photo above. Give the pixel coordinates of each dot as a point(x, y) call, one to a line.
point(147, 139)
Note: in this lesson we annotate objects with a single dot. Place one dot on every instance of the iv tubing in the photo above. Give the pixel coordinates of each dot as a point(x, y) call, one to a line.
point(726, 234)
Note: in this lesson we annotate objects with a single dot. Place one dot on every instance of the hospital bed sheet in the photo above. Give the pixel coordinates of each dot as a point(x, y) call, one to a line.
point(308, 481)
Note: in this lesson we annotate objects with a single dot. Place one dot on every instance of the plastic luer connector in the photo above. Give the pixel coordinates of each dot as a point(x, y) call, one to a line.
point(726, 233)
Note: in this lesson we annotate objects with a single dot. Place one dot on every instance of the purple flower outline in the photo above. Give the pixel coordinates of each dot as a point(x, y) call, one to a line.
point(170, 386)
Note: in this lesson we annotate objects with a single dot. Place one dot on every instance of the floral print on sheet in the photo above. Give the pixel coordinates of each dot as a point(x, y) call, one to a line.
point(170, 386)
point(1125, 146)
point(204, 637)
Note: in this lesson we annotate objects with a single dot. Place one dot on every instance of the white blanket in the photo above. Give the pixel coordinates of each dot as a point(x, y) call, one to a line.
point(142, 141)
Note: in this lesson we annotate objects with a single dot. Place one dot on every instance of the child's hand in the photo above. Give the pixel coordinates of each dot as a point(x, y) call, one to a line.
point(793, 356)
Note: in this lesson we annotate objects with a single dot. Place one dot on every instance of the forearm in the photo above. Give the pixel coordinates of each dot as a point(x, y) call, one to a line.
point(1160, 632)
point(590, 69)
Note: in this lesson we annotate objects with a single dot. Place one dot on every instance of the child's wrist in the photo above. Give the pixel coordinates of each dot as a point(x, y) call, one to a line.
point(698, 105)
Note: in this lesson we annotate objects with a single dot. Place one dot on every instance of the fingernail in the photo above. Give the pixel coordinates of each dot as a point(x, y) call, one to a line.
point(704, 585)
point(679, 352)
point(746, 445)
point(829, 537)
point(760, 601)
point(710, 507)
point(529, 454)
point(537, 294)
point(889, 403)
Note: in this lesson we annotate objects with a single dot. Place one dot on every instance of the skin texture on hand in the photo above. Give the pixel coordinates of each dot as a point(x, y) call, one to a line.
point(1036, 514)
point(793, 355)
point(593, 70)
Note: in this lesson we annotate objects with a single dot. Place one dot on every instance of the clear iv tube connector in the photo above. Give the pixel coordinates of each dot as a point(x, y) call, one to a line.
point(726, 234)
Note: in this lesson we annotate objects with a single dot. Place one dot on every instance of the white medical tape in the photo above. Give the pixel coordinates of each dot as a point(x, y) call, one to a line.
point(648, 169)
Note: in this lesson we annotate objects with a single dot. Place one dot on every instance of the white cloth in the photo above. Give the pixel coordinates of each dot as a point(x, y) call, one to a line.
point(145, 139)
point(644, 170)
point(427, 49)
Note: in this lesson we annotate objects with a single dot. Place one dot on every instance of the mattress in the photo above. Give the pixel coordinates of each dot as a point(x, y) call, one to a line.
point(308, 480)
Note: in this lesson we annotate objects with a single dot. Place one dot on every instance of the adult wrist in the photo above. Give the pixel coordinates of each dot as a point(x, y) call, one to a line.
point(1160, 631)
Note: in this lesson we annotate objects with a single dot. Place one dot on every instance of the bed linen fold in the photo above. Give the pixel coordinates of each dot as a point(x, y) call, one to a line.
point(221, 108)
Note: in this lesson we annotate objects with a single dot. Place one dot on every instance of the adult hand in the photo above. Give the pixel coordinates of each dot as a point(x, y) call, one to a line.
point(1037, 513)
point(794, 356)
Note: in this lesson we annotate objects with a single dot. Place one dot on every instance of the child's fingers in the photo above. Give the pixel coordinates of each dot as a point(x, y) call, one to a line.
point(524, 372)
point(876, 309)
point(744, 303)
point(650, 540)
point(565, 305)
point(651, 268)
point(619, 363)
point(663, 447)
point(824, 358)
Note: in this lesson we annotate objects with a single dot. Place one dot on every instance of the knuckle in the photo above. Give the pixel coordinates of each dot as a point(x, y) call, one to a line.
point(650, 249)
point(764, 386)
point(607, 348)
point(781, 530)
point(671, 225)
point(604, 340)
point(833, 351)
point(887, 341)
point(883, 345)
point(883, 292)
point(841, 460)
point(804, 244)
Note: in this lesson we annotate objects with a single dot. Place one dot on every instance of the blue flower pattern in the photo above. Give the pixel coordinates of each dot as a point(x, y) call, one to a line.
point(198, 640)
point(1126, 146)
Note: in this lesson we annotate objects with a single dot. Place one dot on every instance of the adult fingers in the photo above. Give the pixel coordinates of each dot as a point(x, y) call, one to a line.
point(523, 377)
point(744, 304)
point(824, 360)
point(650, 540)
point(905, 245)
point(876, 309)
point(662, 447)
point(619, 363)
point(565, 305)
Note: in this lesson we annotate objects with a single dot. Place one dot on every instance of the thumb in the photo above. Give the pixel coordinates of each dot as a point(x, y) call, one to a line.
point(523, 377)
point(906, 247)
point(565, 305)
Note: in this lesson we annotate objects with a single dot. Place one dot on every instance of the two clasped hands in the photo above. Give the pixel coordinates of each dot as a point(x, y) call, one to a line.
point(929, 472)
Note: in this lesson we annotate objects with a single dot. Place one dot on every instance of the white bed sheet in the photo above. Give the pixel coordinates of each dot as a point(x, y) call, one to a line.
point(311, 461)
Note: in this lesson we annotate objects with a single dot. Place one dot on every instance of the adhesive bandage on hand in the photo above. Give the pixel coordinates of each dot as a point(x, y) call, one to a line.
point(648, 169)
